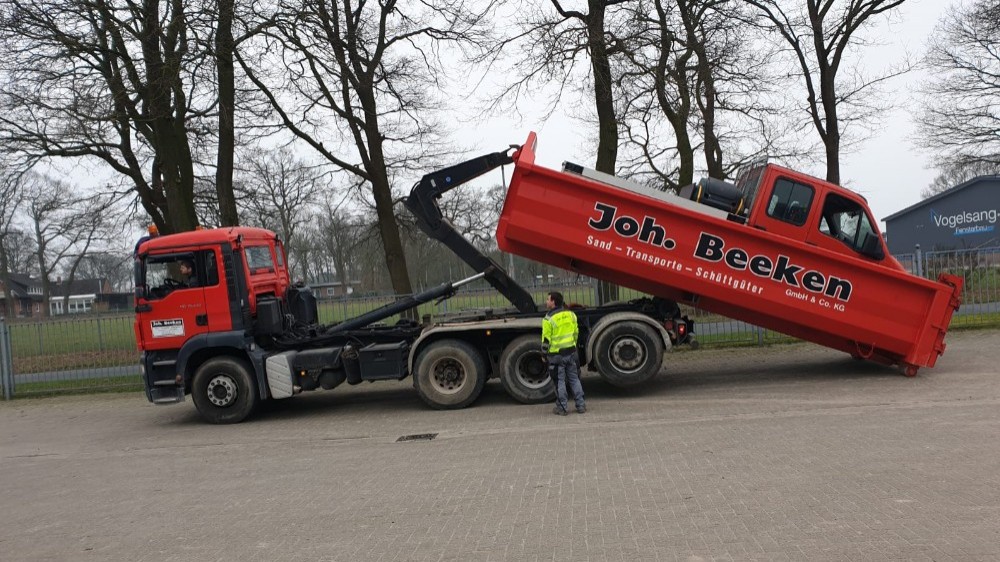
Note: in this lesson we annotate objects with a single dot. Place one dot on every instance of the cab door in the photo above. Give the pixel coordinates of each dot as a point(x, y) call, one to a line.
point(846, 227)
point(170, 310)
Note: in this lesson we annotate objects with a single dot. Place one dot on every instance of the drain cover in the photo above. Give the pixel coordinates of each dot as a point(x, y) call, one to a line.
point(417, 437)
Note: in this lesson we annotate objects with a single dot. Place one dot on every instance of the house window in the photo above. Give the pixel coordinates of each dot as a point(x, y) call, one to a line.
point(330, 292)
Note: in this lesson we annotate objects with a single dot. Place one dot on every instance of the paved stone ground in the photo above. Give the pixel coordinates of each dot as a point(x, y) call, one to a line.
point(784, 453)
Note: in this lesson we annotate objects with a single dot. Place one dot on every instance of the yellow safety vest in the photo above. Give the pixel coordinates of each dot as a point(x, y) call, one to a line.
point(560, 330)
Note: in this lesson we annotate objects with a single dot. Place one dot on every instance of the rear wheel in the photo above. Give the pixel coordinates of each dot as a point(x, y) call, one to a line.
point(524, 373)
point(449, 374)
point(628, 353)
point(224, 390)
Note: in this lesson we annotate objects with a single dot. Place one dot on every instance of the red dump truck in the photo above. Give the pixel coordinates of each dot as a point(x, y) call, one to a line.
point(778, 249)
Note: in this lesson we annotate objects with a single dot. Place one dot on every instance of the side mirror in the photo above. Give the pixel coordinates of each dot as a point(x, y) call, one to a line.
point(872, 247)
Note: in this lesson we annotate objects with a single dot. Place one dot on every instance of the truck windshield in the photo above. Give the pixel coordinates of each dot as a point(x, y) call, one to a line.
point(846, 221)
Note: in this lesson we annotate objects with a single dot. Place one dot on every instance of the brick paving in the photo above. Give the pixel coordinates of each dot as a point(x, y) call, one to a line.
point(783, 453)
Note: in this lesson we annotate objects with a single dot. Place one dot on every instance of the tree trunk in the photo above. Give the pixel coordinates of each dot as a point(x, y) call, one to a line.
point(392, 244)
point(227, 96)
point(173, 153)
point(832, 138)
point(8, 309)
point(607, 121)
point(44, 272)
point(713, 149)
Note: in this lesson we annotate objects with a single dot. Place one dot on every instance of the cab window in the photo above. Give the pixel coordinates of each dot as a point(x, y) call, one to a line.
point(846, 221)
point(790, 202)
point(259, 260)
point(164, 274)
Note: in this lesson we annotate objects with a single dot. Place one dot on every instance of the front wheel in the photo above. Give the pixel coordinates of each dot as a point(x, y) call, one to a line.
point(224, 391)
point(524, 373)
point(628, 353)
point(449, 374)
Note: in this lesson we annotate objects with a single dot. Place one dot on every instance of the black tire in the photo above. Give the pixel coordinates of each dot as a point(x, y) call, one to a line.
point(628, 353)
point(524, 373)
point(449, 374)
point(224, 391)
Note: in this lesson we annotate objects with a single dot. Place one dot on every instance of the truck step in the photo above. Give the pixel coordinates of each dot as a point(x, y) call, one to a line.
point(166, 394)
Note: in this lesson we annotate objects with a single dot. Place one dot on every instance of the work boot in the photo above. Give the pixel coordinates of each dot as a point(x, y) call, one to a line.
point(559, 411)
point(581, 409)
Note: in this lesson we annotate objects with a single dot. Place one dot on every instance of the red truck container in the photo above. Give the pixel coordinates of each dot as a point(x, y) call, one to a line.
point(779, 249)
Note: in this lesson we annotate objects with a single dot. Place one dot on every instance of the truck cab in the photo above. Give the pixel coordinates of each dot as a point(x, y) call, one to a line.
point(797, 206)
point(236, 274)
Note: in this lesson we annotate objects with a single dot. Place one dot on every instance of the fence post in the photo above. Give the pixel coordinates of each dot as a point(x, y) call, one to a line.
point(6, 363)
point(918, 261)
point(100, 337)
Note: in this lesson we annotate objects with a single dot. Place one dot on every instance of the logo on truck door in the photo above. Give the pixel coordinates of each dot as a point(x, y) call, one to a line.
point(167, 328)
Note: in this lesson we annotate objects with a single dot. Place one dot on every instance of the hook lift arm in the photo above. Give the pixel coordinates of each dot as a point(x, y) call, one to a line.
point(422, 203)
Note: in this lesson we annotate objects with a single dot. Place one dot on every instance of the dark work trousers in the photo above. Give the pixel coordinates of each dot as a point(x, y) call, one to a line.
point(563, 368)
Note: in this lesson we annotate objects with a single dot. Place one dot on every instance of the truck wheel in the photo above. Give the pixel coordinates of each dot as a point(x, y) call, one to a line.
point(223, 390)
point(628, 353)
point(450, 374)
point(523, 372)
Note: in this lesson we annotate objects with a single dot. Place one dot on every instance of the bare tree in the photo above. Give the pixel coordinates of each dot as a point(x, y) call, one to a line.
point(358, 88)
point(954, 174)
point(136, 86)
point(115, 267)
point(564, 49)
point(960, 113)
point(739, 116)
point(278, 191)
point(590, 31)
point(10, 200)
point(225, 45)
point(340, 235)
point(110, 80)
point(820, 36)
point(658, 81)
point(64, 227)
point(234, 24)
point(89, 230)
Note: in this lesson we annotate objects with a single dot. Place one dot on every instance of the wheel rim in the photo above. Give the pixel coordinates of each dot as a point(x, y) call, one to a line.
point(531, 372)
point(627, 354)
point(448, 375)
point(222, 390)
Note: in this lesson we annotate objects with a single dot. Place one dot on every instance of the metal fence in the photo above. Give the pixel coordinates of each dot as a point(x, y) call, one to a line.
point(98, 352)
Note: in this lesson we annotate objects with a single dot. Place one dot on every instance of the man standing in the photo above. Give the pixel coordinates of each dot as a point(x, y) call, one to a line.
point(559, 335)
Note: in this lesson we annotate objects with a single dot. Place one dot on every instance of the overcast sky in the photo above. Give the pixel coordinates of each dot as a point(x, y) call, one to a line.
point(887, 169)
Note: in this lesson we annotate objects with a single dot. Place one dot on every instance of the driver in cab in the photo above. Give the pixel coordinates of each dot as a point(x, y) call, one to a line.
point(188, 276)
